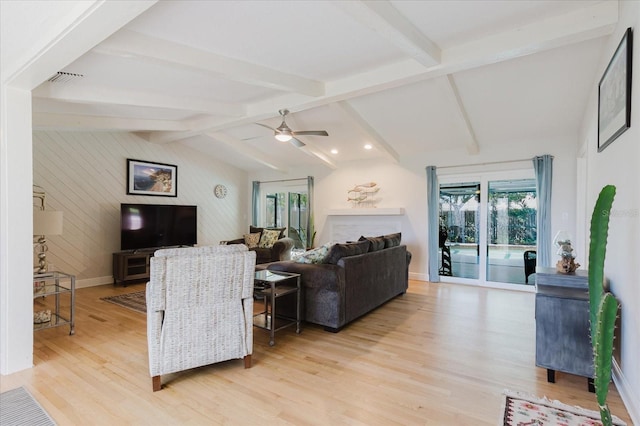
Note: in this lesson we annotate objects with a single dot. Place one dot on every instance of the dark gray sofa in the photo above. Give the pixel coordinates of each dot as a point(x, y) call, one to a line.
point(335, 294)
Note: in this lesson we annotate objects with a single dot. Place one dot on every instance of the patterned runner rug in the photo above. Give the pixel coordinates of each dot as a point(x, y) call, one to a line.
point(520, 409)
point(18, 407)
point(135, 301)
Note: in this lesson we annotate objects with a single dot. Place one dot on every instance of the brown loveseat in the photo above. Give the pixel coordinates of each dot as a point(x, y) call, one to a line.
point(280, 250)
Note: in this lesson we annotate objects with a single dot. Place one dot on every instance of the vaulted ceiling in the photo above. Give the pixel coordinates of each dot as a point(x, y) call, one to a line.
point(406, 77)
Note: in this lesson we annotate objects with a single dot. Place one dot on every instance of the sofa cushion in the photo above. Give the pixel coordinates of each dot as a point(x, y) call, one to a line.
point(377, 243)
point(251, 240)
point(317, 255)
point(338, 251)
point(392, 240)
point(268, 238)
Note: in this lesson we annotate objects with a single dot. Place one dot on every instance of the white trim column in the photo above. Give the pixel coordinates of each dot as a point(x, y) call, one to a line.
point(16, 231)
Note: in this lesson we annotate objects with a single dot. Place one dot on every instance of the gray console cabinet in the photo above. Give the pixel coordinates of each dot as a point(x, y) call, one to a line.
point(131, 266)
point(563, 342)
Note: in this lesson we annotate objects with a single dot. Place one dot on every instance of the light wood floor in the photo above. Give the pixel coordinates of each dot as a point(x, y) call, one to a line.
point(441, 355)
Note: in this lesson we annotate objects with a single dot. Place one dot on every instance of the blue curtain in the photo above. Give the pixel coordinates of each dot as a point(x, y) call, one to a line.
point(255, 202)
point(543, 166)
point(432, 223)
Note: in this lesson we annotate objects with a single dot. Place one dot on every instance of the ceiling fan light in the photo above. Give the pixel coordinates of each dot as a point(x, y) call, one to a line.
point(283, 132)
point(283, 137)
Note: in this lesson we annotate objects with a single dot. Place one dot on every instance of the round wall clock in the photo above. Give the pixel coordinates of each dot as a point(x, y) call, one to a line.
point(220, 191)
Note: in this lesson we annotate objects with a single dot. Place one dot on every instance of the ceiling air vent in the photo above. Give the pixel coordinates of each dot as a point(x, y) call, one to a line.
point(64, 77)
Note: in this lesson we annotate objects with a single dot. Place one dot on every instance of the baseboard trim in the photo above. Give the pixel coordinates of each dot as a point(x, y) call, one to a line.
point(93, 282)
point(629, 399)
point(418, 277)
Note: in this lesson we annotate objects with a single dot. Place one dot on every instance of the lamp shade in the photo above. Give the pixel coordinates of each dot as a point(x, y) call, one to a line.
point(47, 222)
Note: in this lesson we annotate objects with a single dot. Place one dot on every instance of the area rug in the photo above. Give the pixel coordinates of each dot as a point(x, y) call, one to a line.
point(135, 301)
point(520, 409)
point(18, 407)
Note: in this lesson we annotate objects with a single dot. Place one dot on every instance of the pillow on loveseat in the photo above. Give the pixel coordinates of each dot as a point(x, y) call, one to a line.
point(317, 255)
point(338, 251)
point(251, 240)
point(268, 238)
point(254, 229)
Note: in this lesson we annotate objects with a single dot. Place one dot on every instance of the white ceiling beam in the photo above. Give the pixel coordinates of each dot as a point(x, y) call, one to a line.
point(52, 121)
point(365, 129)
point(573, 27)
point(243, 149)
point(386, 20)
point(471, 142)
point(131, 44)
point(591, 22)
point(319, 155)
point(89, 23)
point(109, 95)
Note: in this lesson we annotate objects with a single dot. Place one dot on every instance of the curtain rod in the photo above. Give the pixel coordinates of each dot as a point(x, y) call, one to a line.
point(281, 180)
point(487, 164)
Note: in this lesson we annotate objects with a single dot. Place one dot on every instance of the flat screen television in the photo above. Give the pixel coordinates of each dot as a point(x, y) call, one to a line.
point(149, 226)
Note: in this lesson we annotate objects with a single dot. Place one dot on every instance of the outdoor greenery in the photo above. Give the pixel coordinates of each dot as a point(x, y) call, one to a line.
point(276, 214)
point(519, 228)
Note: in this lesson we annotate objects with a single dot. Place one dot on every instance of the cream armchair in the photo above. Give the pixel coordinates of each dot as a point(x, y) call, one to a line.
point(199, 308)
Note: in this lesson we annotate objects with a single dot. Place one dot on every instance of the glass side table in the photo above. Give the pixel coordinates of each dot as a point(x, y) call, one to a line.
point(272, 285)
point(56, 284)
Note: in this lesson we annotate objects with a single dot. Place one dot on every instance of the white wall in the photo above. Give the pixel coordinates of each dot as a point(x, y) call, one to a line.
point(618, 165)
point(404, 185)
point(84, 175)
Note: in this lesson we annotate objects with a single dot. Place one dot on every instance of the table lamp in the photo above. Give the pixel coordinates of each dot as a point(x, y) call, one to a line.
point(45, 222)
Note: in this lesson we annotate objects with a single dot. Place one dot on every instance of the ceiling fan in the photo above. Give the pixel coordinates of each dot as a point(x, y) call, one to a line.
point(283, 133)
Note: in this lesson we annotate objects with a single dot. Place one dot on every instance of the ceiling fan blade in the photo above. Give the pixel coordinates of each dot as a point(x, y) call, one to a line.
point(311, 133)
point(297, 143)
point(264, 125)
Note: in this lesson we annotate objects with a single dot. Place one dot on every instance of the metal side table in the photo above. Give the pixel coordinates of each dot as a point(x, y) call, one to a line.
point(273, 285)
point(56, 284)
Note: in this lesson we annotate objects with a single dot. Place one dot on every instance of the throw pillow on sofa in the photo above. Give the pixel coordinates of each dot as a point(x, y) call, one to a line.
point(338, 251)
point(315, 256)
point(392, 240)
point(251, 240)
point(268, 238)
point(377, 243)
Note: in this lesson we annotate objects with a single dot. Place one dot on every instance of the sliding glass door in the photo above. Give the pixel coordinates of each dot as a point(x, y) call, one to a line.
point(487, 223)
point(297, 228)
point(459, 220)
point(511, 215)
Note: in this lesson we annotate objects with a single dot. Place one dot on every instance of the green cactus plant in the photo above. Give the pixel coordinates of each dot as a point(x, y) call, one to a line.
point(603, 306)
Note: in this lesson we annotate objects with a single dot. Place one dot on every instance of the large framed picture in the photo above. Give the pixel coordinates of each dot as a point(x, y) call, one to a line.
point(145, 178)
point(614, 94)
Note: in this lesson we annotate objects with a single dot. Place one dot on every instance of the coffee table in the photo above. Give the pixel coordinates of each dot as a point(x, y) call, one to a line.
point(273, 285)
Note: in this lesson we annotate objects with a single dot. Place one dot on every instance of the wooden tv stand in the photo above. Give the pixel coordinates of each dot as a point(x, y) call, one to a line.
point(131, 265)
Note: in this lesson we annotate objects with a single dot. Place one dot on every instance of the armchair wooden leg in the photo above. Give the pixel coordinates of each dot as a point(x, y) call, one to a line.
point(157, 383)
point(247, 361)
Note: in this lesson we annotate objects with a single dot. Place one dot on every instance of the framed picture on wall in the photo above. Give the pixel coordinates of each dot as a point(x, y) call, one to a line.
point(614, 94)
point(145, 178)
